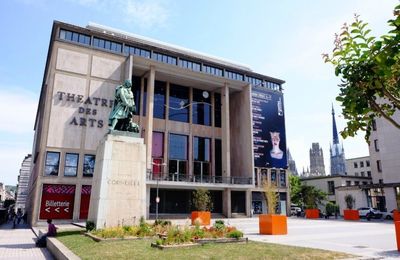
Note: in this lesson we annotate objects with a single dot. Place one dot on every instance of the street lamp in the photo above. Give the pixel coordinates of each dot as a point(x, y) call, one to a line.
point(157, 197)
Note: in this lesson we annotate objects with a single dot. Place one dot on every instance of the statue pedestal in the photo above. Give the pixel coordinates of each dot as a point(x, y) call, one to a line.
point(119, 183)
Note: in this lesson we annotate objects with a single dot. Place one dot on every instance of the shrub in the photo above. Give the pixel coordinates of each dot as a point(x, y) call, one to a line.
point(219, 225)
point(235, 234)
point(90, 225)
point(330, 209)
point(202, 200)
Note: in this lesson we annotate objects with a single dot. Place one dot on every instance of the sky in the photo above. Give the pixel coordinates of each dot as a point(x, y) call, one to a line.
point(282, 39)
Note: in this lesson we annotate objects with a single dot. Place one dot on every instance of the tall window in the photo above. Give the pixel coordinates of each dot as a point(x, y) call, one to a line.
point(376, 145)
point(367, 163)
point(217, 110)
point(282, 178)
point(379, 165)
point(71, 164)
point(178, 155)
point(373, 125)
point(361, 164)
point(159, 99)
point(52, 163)
point(331, 187)
point(136, 89)
point(178, 103)
point(273, 177)
point(355, 165)
point(218, 157)
point(201, 157)
point(157, 152)
point(88, 165)
point(201, 107)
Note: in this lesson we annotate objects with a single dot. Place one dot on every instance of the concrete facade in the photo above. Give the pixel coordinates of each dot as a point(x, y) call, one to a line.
point(360, 166)
point(77, 96)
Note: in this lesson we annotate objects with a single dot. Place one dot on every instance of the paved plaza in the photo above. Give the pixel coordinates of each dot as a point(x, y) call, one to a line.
point(19, 243)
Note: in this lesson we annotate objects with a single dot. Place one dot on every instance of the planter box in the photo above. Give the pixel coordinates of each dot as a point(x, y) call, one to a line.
point(162, 247)
point(203, 217)
point(312, 213)
point(396, 215)
point(272, 224)
point(221, 240)
point(351, 214)
point(397, 229)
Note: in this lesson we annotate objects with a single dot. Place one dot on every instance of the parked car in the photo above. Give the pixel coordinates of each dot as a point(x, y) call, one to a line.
point(366, 212)
point(294, 211)
point(388, 215)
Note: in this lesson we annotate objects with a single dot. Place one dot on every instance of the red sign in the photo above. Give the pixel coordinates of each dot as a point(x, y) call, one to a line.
point(57, 201)
point(85, 201)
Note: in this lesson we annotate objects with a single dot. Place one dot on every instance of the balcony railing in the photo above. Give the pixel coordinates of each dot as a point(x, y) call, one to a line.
point(175, 177)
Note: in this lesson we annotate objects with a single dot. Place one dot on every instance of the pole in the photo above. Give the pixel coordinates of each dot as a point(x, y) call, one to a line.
point(157, 200)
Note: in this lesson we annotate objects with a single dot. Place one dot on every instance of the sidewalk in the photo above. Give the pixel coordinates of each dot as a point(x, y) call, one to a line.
point(19, 243)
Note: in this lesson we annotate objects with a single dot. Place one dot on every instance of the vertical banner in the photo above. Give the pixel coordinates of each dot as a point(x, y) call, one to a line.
point(85, 201)
point(57, 201)
point(269, 136)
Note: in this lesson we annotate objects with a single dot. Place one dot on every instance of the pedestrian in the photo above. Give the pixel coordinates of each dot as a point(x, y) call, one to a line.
point(51, 232)
point(19, 216)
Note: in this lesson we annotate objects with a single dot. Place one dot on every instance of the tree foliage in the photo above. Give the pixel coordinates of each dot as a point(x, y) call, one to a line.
point(271, 196)
point(369, 69)
point(295, 188)
point(350, 200)
point(201, 200)
point(304, 195)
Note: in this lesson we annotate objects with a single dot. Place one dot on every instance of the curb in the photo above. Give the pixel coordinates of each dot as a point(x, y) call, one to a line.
point(59, 251)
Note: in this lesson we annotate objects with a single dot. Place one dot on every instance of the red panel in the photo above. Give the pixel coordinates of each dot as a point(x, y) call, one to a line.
point(85, 201)
point(57, 201)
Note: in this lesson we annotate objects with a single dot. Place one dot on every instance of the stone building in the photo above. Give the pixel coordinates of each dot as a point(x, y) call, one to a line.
point(338, 161)
point(206, 122)
point(23, 183)
point(317, 166)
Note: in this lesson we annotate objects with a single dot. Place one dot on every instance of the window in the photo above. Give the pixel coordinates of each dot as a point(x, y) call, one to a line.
point(178, 103)
point(331, 187)
point(254, 81)
point(137, 51)
point(376, 145)
point(379, 165)
point(201, 157)
point(217, 110)
point(361, 164)
point(201, 107)
point(71, 164)
point(178, 147)
point(348, 183)
point(373, 125)
point(189, 65)
point(164, 58)
point(88, 165)
point(159, 99)
point(136, 89)
point(218, 157)
point(157, 152)
point(356, 174)
point(380, 181)
point(355, 165)
point(367, 163)
point(212, 70)
point(273, 176)
point(233, 75)
point(74, 37)
point(356, 183)
point(369, 174)
point(282, 178)
point(106, 44)
point(52, 163)
point(362, 174)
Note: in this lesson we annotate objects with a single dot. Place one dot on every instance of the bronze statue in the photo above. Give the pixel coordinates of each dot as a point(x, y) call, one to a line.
point(123, 109)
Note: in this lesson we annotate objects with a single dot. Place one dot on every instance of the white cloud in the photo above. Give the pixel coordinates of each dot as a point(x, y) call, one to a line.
point(18, 110)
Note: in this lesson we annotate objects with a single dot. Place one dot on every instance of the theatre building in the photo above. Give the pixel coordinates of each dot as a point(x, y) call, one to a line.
point(206, 122)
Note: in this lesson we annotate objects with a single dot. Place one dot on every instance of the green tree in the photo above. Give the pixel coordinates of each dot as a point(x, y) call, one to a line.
point(295, 188)
point(369, 69)
point(271, 196)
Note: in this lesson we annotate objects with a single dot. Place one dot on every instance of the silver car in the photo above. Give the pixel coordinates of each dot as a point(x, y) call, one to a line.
point(369, 212)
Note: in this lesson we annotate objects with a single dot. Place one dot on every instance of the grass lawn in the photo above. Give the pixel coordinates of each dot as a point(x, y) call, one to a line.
point(86, 248)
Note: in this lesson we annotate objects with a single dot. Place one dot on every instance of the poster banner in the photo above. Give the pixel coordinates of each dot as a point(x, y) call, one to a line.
point(269, 136)
point(57, 201)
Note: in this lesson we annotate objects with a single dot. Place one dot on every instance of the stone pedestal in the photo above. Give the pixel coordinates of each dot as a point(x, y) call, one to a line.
point(119, 183)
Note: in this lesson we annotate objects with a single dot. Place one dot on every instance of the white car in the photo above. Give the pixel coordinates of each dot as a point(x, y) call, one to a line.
point(372, 212)
point(387, 215)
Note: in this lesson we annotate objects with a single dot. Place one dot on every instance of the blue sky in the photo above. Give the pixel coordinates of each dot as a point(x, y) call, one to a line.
point(283, 39)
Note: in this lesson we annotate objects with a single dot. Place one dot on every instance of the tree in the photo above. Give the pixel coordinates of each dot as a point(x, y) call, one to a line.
point(201, 199)
point(349, 199)
point(295, 188)
point(271, 196)
point(369, 69)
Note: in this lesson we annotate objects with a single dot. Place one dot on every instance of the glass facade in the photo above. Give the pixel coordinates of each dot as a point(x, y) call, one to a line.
point(136, 89)
point(179, 103)
point(218, 157)
point(189, 65)
point(71, 164)
point(212, 70)
point(157, 150)
point(88, 165)
point(164, 58)
point(137, 51)
point(177, 155)
point(201, 107)
point(159, 99)
point(74, 37)
point(217, 110)
point(106, 44)
point(52, 163)
point(233, 75)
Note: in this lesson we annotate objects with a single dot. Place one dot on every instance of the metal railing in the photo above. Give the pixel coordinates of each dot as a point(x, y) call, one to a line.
point(175, 177)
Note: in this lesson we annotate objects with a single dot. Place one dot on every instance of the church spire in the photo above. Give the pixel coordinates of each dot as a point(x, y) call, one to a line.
point(334, 129)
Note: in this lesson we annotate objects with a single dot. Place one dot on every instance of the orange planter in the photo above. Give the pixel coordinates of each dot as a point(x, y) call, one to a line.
point(272, 224)
point(203, 217)
point(351, 214)
point(397, 229)
point(312, 213)
point(396, 215)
